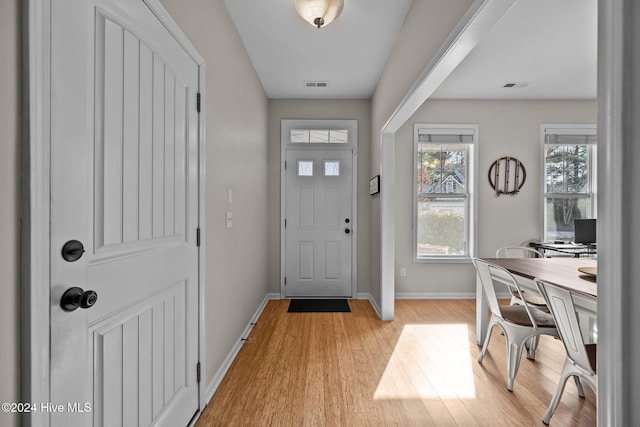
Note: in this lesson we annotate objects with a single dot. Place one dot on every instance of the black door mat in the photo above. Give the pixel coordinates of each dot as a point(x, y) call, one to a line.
point(319, 306)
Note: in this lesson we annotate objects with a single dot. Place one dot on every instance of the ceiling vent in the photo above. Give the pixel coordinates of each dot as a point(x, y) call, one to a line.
point(515, 85)
point(315, 84)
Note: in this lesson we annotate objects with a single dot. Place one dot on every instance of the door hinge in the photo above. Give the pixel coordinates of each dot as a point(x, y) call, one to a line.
point(285, 280)
point(198, 102)
point(198, 236)
point(198, 372)
point(285, 223)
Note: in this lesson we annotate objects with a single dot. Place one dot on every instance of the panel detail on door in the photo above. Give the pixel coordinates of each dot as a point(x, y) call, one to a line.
point(140, 143)
point(124, 182)
point(332, 260)
point(318, 254)
point(305, 260)
point(332, 207)
point(140, 360)
point(306, 210)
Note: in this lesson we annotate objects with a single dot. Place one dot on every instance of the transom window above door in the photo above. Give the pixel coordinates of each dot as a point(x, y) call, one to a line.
point(319, 136)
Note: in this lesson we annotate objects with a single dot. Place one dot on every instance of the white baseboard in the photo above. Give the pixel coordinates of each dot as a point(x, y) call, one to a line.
point(372, 301)
point(222, 371)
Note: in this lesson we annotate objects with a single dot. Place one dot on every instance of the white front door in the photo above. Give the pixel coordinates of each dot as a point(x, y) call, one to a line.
point(319, 223)
point(124, 183)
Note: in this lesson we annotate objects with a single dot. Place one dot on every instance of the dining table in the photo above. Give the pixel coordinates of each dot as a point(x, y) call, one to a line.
point(578, 275)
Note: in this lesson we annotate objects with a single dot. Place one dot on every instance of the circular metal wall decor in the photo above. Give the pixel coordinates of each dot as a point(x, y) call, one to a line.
point(507, 175)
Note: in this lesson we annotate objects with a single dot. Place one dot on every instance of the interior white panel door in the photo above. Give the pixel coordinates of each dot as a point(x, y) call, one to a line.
point(124, 182)
point(318, 223)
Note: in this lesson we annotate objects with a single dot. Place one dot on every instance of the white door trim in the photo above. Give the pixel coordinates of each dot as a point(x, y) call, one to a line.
point(35, 210)
point(352, 125)
point(618, 131)
point(35, 253)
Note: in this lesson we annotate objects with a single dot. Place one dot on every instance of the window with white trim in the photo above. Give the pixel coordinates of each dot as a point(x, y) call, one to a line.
point(569, 178)
point(443, 225)
point(319, 136)
point(305, 167)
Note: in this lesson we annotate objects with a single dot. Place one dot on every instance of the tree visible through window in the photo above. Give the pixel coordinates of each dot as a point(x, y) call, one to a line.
point(442, 225)
point(569, 180)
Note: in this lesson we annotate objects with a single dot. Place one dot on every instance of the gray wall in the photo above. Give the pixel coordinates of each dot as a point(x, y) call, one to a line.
point(426, 27)
point(10, 206)
point(236, 159)
point(506, 128)
point(359, 110)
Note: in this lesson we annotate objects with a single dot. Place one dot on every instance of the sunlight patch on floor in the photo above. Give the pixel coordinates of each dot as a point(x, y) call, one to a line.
point(429, 361)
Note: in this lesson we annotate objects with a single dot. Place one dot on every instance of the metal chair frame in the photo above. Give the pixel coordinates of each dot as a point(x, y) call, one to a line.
point(516, 335)
point(577, 363)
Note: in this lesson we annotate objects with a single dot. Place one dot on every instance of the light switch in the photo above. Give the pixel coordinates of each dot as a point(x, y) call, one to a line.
point(229, 218)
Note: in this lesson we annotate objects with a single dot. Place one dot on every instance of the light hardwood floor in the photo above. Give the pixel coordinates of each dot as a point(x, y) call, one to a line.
point(352, 369)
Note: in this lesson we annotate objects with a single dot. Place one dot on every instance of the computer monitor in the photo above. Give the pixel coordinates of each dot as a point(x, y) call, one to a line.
point(585, 231)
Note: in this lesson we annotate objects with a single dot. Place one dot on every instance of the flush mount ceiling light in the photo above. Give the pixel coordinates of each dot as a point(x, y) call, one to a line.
point(319, 12)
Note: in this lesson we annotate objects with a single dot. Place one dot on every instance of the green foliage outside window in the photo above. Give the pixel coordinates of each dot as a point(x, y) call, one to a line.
point(442, 195)
point(567, 172)
point(436, 163)
point(567, 168)
point(442, 228)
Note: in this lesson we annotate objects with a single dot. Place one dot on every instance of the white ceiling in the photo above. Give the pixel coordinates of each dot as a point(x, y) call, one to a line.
point(551, 45)
point(548, 44)
point(349, 54)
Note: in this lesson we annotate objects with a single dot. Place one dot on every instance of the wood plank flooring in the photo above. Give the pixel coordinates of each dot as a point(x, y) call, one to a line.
point(352, 369)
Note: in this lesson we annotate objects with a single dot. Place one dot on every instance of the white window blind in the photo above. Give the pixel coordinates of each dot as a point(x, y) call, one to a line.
point(446, 135)
point(570, 136)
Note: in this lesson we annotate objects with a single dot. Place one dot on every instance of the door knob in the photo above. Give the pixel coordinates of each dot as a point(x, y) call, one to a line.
point(76, 297)
point(346, 230)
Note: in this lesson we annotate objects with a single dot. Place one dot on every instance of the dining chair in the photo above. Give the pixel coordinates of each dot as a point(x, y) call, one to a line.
point(531, 298)
point(519, 322)
point(518, 252)
point(580, 362)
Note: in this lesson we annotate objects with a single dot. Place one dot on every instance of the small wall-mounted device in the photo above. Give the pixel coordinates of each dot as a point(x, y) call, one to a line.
point(374, 185)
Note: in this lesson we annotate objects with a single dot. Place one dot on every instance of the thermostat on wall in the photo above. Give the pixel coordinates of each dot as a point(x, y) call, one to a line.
point(374, 185)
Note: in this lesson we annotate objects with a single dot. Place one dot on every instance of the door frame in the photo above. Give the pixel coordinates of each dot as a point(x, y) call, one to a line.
point(285, 127)
point(35, 201)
